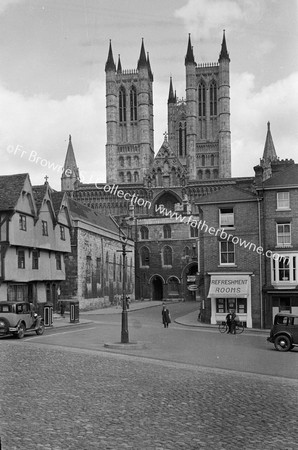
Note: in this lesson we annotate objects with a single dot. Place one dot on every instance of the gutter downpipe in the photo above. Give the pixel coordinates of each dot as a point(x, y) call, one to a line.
point(260, 263)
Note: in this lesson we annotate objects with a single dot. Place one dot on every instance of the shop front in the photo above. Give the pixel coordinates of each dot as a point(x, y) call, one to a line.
point(230, 291)
point(279, 300)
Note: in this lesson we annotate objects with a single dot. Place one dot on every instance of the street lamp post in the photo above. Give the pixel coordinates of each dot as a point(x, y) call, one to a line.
point(124, 323)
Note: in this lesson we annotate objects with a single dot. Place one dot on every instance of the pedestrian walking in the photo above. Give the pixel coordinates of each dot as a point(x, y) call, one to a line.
point(166, 317)
point(231, 319)
point(62, 308)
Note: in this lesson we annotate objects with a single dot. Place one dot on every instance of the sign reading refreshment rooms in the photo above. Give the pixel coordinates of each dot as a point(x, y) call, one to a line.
point(229, 286)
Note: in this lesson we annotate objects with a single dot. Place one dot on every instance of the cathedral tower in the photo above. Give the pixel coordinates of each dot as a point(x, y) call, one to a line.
point(199, 126)
point(129, 117)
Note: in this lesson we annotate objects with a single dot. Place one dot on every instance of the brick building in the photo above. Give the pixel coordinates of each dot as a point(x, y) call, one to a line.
point(279, 209)
point(229, 263)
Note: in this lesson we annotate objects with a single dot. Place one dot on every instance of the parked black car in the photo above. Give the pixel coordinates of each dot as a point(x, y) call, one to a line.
point(284, 332)
point(17, 318)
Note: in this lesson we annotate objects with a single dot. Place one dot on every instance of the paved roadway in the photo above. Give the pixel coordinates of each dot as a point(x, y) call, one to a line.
point(188, 389)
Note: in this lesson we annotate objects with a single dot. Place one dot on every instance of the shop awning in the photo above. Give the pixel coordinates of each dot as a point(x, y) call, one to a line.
point(228, 286)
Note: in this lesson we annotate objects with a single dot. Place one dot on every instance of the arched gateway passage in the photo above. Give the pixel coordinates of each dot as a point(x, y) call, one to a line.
point(157, 288)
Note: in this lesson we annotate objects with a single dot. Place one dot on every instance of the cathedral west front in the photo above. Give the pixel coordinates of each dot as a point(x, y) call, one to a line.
point(162, 188)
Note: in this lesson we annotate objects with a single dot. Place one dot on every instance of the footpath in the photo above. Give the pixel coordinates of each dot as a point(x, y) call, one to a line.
point(188, 320)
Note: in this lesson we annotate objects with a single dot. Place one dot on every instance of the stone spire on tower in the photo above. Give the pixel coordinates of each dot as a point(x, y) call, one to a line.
point(269, 153)
point(70, 173)
point(119, 66)
point(142, 62)
point(189, 58)
point(110, 65)
point(224, 51)
point(172, 96)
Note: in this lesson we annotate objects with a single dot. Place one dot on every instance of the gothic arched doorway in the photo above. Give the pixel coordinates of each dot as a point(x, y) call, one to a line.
point(157, 288)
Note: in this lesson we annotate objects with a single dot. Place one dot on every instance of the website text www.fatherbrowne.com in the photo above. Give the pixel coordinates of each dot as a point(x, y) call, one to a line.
point(191, 221)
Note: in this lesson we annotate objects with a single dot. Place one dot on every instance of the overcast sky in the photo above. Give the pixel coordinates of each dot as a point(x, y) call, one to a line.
point(52, 79)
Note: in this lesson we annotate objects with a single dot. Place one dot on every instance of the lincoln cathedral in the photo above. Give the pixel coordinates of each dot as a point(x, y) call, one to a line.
point(189, 176)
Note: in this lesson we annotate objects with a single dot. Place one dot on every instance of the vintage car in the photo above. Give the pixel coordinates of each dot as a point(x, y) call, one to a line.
point(18, 318)
point(284, 332)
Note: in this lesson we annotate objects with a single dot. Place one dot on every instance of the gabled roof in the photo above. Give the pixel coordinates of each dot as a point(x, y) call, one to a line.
point(79, 211)
point(39, 193)
point(57, 198)
point(227, 194)
point(288, 177)
point(10, 190)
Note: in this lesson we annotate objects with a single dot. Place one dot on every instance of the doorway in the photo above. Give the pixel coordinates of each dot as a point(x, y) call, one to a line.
point(157, 288)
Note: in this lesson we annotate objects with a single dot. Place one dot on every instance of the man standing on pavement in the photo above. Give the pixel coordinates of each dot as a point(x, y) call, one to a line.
point(166, 317)
point(231, 319)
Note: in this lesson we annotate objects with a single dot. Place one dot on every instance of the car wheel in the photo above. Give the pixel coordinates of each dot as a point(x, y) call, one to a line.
point(40, 330)
point(21, 331)
point(4, 325)
point(282, 343)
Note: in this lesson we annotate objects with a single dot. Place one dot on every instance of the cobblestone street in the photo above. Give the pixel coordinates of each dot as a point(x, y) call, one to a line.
point(81, 399)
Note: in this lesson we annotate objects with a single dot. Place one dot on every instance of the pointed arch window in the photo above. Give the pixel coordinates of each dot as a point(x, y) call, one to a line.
point(144, 233)
point(212, 160)
point(203, 160)
point(185, 252)
point(182, 138)
point(202, 99)
point(145, 257)
point(167, 256)
point(133, 104)
point(121, 177)
point(194, 232)
point(167, 232)
point(213, 99)
point(128, 177)
point(121, 161)
point(135, 176)
point(122, 106)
